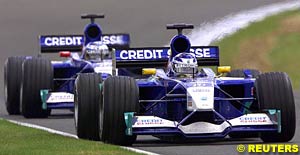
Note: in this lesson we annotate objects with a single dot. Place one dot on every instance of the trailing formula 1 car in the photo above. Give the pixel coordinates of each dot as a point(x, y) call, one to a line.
point(35, 85)
point(168, 92)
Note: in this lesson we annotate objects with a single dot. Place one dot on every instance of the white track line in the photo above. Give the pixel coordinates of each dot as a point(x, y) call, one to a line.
point(212, 31)
point(43, 128)
point(70, 135)
point(139, 151)
point(204, 35)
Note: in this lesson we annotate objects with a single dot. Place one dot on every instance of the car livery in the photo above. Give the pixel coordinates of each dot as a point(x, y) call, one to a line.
point(171, 93)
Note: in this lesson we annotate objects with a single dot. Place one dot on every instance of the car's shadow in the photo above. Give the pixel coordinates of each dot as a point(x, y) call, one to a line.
point(61, 114)
point(155, 142)
point(226, 141)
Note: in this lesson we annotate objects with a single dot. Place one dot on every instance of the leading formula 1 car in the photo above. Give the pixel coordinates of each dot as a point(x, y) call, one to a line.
point(35, 85)
point(168, 92)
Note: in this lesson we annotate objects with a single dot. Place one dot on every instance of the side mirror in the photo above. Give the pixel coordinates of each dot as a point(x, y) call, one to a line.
point(65, 54)
point(149, 71)
point(224, 69)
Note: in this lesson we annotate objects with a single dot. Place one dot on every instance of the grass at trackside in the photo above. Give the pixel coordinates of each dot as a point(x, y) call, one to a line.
point(269, 45)
point(19, 140)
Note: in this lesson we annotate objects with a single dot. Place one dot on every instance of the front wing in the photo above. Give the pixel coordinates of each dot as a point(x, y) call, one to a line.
point(268, 121)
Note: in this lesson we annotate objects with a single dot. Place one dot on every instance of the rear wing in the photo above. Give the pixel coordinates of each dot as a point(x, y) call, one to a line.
point(74, 43)
point(156, 57)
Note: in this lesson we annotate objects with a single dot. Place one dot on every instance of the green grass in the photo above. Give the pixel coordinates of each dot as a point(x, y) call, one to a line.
point(282, 53)
point(291, 53)
point(19, 140)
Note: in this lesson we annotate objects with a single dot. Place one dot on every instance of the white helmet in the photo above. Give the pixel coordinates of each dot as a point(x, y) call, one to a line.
point(184, 64)
point(96, 51)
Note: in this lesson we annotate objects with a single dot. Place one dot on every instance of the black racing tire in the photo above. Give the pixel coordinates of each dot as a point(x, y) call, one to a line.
point(37, 74)
point(120, 94)
point(240, 73)
point(12, 81)
point(87, 100)
point(274, 91)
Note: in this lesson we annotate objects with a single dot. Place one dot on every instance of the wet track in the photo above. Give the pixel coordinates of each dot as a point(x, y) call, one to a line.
point(22, 21)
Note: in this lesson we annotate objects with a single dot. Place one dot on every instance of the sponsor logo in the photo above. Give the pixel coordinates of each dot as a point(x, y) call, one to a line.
point(56, 97)
point(201, 84)
point(185, 65)
point(65, 97)
point(201, 52)
point(253, 119)
point(149, 122)
point(113, 39)
point(204, 98)
point(63, 41)
point(144, 54)
point(78, 40)
point(200, 90)
point(140, 54)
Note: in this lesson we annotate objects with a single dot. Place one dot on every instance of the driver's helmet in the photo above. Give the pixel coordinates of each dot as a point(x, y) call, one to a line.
point(184, 64)
point(96, 51)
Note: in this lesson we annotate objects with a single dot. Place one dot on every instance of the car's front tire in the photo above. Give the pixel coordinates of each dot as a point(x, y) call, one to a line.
point(12, 81)
point(87, 99)
point(37, 74)
point(120, 95)
point(274, 91)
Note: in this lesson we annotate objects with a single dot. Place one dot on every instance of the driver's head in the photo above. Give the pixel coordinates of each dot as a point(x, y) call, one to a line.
point(96, 51)
point(184, 64)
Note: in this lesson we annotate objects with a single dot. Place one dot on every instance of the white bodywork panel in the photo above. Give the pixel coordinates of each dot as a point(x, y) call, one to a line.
point(152, 121)
point(201, 95)
point(104, 67)
point(252, 119)
point(58, 97)
point(202, 127)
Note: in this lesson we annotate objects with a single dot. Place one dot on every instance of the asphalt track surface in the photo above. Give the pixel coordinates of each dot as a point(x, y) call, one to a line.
point(22, 21)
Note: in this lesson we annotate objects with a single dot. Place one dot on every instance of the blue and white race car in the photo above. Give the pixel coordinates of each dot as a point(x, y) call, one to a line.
point(168, 92)
point(35, 85)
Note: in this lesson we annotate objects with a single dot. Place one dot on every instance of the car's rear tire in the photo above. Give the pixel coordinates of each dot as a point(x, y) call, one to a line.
point(87, 99)
point(240, 73)
point(274, 91)
point(37, 74)
point(120, 94)
point(12, 81)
